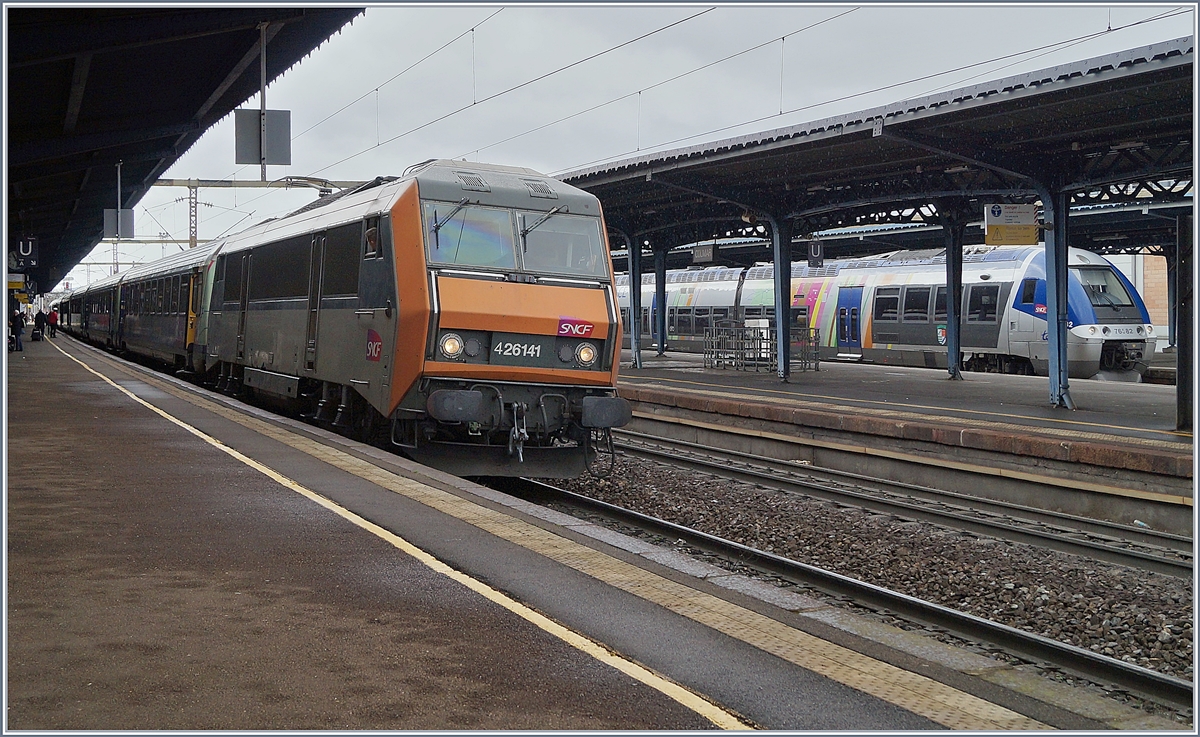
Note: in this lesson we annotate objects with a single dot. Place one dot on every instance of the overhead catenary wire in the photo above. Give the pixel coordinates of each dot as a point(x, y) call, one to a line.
point(493, 96)
point(639, 92)
point(515, 88)
point(1058, 45)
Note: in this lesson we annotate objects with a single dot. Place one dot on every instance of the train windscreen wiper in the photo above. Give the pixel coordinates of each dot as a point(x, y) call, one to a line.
point(529, 229)
point(437, 224)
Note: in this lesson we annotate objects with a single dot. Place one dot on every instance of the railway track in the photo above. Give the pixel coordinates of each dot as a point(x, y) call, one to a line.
point(1092, 666)
point(1125, 545)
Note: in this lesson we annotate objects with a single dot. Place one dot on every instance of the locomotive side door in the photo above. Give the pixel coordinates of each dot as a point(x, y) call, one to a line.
point(316, 265)
point(244, 281)
point(849, 338)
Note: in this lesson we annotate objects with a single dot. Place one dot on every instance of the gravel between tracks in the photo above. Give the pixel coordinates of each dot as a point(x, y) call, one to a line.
point(1143, 618)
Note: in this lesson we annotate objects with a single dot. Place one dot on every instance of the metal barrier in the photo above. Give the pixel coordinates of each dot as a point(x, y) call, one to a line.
point(753, 349)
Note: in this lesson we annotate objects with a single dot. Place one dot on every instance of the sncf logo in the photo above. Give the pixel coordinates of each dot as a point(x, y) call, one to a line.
point(1039, 309)
point(374, 345)
point(576, 328)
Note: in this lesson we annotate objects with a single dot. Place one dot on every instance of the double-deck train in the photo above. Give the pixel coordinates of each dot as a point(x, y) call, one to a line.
point(464, 311)
point(891, 309)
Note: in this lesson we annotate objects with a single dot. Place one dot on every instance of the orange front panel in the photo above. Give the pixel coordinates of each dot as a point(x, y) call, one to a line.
point(413, 290)
point(535, 309)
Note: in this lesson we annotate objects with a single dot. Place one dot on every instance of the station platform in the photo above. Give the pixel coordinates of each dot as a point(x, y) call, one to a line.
point(1119, 440)
point(180, 560)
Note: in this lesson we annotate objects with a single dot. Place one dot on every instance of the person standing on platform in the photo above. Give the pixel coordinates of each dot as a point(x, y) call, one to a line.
point(52, 321)
point(39, 324)
point(16, 327)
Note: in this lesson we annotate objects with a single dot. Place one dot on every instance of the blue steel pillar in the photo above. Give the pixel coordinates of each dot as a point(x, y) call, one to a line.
point(952, 226)
point(1184, 291)
point(781, 248)
point(660, 298)
point(635, 297)
point(1054, 207)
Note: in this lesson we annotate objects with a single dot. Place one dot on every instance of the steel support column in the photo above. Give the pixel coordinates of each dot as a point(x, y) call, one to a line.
point(660, 297)
point(952, 226)
point(1054, 206)
point(781, 250)
point(635, 299)
point(1185, 292)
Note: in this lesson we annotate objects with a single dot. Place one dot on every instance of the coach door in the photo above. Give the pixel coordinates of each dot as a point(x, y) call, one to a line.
point(849, 340)
point(243, 303)
point(316, 264)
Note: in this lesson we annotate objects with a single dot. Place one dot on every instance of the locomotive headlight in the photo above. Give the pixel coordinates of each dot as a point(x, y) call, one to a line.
point(451, 345)
point(586, 354)
point(1149, 330)
point(1092, 330)
point(472, 348)
point(1105, 330)
point(1139, 329)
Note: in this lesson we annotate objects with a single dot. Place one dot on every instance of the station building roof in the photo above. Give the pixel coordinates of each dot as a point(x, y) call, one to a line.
point(88, 87)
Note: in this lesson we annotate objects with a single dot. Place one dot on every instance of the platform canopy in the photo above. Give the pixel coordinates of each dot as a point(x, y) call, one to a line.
point(88, 87)
point(1113, 129)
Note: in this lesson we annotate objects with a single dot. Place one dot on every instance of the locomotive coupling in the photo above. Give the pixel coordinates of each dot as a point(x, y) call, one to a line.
point(606, 412)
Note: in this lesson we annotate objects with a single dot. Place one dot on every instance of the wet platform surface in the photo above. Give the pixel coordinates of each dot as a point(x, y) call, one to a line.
point(177, 560)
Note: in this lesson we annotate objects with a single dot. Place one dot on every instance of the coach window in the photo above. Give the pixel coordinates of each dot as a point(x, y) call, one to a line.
point(916, 304)
point(340, 277)
point(280, 270)
point(684, 323)
point(981, 302)
point(939, 304)
point(720, 317)
point(372, 239)
point(887, 304)
point(701, 318)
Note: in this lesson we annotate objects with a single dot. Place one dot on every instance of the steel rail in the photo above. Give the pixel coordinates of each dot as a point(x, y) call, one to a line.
point(1136, 679)
point(1168, 554)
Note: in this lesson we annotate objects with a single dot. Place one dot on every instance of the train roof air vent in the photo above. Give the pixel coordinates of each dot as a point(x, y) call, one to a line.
point(472, 182)
point(540, 189)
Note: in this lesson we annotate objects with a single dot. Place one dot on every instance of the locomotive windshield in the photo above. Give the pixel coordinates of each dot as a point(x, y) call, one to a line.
point(498, 239)
point(564, 244)
point(1103, 287)
point(469, 236)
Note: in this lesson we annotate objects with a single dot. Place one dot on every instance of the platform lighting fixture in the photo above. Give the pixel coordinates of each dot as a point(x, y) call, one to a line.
point(749, 217)
point(957, 169)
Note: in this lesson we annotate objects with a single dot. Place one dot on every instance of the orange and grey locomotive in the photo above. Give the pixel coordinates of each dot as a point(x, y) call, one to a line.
point(464, 313)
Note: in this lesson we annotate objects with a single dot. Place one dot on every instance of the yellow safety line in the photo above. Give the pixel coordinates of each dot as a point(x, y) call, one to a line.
point(649, 382)
point(916, 693)
point(715, 714)
point(939, 462)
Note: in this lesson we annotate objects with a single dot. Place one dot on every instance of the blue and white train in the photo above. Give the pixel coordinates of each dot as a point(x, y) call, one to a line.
point(891, 309)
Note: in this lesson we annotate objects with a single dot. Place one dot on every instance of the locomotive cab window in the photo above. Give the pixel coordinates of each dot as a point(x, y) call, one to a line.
point(462, 235)
point(1103, 287)
point(371, 244)
point(1028, 291)
point(563, 244)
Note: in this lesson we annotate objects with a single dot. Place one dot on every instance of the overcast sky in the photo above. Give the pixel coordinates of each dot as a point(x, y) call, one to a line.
point(404, 84)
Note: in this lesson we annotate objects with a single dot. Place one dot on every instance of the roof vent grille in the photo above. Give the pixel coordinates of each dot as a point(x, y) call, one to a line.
point(540, 189)
point(472, 182)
